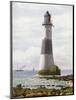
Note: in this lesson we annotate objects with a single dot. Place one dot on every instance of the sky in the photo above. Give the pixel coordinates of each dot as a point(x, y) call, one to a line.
point(28, 33)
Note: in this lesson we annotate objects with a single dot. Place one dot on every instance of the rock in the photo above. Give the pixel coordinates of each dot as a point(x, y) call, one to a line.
point(52, 70)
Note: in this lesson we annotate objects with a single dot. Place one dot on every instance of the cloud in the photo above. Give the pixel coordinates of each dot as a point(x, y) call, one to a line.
point(28, 33)
point(29, 58)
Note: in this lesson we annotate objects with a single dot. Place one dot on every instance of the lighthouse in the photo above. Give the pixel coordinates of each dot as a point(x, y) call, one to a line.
point(47, 66)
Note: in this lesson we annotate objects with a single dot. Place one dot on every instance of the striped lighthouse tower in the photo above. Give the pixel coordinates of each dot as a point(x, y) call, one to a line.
point(46, 58)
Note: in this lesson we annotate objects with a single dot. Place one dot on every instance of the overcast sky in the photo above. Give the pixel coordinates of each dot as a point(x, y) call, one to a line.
point(28, 33)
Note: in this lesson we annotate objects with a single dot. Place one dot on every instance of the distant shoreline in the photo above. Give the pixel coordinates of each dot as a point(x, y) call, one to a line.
point(34, 72)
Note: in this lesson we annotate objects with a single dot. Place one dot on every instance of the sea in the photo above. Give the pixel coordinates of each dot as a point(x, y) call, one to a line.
point(30, 79)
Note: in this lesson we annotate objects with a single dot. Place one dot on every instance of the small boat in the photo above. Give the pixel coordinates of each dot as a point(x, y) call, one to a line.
point(20, 69)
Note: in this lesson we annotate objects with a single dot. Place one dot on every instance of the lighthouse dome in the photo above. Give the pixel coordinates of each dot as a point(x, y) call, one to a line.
point(47, 19)
point(47, 14)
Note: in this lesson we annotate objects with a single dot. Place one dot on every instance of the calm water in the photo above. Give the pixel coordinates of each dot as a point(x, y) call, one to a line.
point(30, 79)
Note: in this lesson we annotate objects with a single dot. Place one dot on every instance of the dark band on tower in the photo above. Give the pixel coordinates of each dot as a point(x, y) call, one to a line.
point(46, 46)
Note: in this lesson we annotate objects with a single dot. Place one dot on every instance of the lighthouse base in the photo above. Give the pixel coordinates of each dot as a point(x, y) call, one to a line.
point(52, 70)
